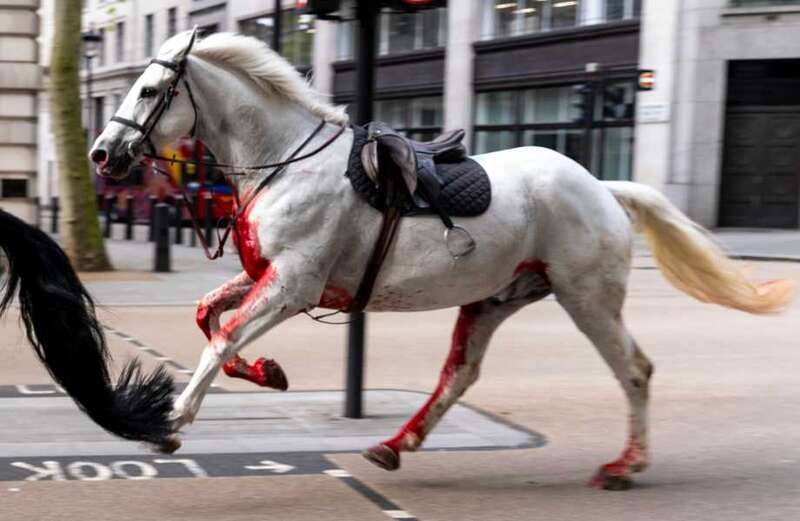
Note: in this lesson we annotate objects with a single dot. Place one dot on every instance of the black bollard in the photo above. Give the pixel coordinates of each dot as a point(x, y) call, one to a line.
point(179, 219)
point(54, 214)
point(109, 208)
point(209, 218)
point(161, 260)
point(37, 209)
point(192, 231)
point(151, 231)
point(129, 216)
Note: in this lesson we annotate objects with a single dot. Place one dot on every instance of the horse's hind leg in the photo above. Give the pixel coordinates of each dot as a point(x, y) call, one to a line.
point(597, 313)
point(475, 325)
point(230, 295)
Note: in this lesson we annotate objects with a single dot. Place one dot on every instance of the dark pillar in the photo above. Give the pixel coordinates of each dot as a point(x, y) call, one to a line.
point(109, 206)
point(129, 216)
point(151, 231)
point(54, 214)
point(276, 26)
point(209, 218)
point(161, 259)
point(179, 219)
point(367, 12)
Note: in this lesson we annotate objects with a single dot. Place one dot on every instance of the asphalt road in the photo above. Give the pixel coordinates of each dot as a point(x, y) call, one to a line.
point(725, 421)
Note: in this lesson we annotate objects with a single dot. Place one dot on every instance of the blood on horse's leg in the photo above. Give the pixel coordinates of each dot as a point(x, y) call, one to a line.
point(228, 296)
point(264, 307)
point(266, 373)
point(262, 372)
point(475, 325)
point(597, 314)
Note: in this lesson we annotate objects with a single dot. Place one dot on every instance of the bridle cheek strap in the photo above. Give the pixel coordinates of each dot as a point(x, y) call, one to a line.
point(165, 101)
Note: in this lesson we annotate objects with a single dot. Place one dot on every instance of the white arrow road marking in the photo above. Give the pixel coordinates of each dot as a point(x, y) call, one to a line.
point(271, 466)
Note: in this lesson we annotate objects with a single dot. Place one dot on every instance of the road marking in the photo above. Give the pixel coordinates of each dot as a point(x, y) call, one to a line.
point(271, 466)
point(370, 494)
point(144, 348)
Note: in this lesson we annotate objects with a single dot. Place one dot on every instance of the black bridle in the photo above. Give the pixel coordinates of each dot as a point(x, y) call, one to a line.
point(164, 103)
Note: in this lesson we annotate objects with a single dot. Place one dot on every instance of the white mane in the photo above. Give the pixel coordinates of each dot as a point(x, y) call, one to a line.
point(267, 68)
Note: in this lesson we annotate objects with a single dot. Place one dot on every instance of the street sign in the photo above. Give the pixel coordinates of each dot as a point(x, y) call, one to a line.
point(647, 79)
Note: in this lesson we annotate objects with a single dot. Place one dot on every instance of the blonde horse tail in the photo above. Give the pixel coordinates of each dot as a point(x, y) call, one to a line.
point(690, 259)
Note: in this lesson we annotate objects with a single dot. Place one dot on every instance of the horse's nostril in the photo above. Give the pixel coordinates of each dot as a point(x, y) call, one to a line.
point(99, 155)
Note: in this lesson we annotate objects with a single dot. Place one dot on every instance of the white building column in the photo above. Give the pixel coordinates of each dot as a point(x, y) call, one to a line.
point(658, 48)
point(324, 55)
point(592, 12)
point(462, 30)
point(20, 81)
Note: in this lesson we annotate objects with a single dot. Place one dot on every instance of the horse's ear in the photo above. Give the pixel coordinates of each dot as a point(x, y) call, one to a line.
point(185, 52)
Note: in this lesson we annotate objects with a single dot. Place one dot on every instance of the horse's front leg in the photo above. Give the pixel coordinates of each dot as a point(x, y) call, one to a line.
point(280, 293)
point(263, 372)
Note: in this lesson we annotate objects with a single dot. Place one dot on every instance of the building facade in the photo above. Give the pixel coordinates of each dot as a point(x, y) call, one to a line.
point(20, 81)
point(721, 132)
point(718, 132)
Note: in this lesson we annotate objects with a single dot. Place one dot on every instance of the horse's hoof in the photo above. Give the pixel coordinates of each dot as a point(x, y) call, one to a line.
point(382, 456)
point(169, 446)
point(615, 482)
point(271, 374)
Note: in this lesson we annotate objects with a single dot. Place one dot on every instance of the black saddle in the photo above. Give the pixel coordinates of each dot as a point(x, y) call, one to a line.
point(399, 176)
point(389, 170)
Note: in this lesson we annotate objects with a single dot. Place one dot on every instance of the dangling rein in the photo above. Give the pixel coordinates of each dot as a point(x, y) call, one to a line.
point(280, 167)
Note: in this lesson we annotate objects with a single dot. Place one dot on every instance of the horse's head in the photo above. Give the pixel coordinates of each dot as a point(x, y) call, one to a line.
point(155, 112)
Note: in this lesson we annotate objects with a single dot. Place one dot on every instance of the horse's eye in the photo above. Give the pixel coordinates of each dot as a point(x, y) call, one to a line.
point(147, 92)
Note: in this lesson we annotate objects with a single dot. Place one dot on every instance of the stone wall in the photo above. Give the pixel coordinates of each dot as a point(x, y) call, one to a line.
point(20, 80)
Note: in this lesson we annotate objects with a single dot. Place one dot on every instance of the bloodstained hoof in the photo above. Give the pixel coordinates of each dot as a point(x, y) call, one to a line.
point(614, 482)
point(263, 372)
point(169, 446)
point(382, 456)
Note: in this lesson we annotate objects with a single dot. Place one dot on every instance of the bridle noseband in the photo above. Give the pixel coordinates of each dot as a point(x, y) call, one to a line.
point(164, 103)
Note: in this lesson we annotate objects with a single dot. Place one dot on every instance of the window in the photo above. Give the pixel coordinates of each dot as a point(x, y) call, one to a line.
point(403, 32)
point(504, 18)
point(101, 47)
point(551, 117)
point(148, 35)
point(10, 188)
point(98, 114)
point(172, 21)
point(418, 118)
point(621, 9)
point(297, 34)
point(119, 39)
point(759, 3)
point(399, 32)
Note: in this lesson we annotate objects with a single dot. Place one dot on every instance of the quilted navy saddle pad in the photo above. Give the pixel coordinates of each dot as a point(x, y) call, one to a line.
point(465, 191)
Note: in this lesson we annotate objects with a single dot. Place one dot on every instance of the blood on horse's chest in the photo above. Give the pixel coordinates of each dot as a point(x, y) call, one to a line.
point(249, 247)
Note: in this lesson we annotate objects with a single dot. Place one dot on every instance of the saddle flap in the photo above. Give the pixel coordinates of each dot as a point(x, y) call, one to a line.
point(369, 158)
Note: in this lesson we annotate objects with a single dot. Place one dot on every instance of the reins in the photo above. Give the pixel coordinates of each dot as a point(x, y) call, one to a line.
point(145, 129)
point(242, 206)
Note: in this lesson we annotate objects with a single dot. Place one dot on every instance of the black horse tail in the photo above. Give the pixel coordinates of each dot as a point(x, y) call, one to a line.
point(60, 322)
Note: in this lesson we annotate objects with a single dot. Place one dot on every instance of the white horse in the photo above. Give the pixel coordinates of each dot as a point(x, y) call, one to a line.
point(305, 240)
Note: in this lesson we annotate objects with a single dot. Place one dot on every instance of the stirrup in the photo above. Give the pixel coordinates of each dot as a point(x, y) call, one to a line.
point(457, 251)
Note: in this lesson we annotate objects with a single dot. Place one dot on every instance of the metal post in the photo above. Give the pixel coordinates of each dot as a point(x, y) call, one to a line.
point(161, 260)
point(192, 233)
point(108, 207)
point(209, 218)
point(129, 216)
point(151, 231)
point(54, 214)
point(276, 27)
point(365, 85)
point(178, 219)
point(37, 216)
